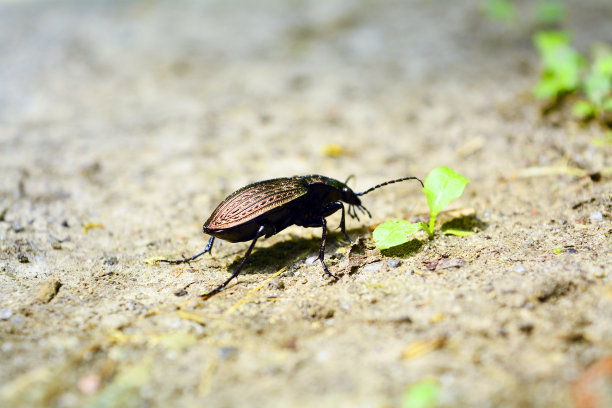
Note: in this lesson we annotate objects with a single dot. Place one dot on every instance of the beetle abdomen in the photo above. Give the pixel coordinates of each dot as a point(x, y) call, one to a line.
point(254, 200)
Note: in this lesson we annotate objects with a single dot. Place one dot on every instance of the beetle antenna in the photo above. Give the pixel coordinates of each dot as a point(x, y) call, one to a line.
point(352, 176)
point(389, 182)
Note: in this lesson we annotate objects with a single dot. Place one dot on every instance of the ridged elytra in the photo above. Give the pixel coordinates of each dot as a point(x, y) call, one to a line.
point(267, 207)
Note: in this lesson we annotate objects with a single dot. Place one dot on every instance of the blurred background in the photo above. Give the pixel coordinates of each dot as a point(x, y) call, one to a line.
point(136, 118)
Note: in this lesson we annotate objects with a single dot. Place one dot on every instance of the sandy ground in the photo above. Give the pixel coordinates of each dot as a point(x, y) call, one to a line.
point(123, 125)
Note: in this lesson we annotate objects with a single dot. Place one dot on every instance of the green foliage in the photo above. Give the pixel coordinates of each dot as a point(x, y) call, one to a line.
point(583, 110)
point(394, 232)
point(561, 65)
point(500, 10)
point(598, 81)
point(565, 71)
point(442, 186)
point(550, 12)
point(544, 12)
point(423, 394)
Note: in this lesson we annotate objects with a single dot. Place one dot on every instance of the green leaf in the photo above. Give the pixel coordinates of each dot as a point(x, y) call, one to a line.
point(583, 110)
point(423, 394)
point(550, 12)
point(561, 64)
point(457, 232)
point(501, 10)
point(547, 41)
point(606, 105)
point(442, 186)
point(394, 232)
point(597, 86)
point(603, 64)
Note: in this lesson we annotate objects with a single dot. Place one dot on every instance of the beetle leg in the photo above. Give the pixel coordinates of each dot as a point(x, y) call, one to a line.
point(342, 223)
point(353, 214)
point(178, 261)
point(322, 248)
point(260, 232)
point(365, 210)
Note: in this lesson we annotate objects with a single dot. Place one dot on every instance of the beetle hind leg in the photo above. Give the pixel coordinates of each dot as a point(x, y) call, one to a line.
point(219, 288)
point(208, 248)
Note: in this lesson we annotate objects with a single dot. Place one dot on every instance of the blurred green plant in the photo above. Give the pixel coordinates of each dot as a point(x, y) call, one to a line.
point(422, 394)
point(597, 87)
point(561, 64)
point(565, 71)
point(545, 12)
point(500, 10)
point(550, 12)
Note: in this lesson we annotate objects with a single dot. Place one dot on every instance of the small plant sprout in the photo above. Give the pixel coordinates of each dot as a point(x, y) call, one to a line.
point(500, 10)
point(442, 186)
point(561, 65)
point(567, 73)
point(597, 87)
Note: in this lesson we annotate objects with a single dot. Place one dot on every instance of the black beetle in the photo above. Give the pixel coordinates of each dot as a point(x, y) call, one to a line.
point(267, 207)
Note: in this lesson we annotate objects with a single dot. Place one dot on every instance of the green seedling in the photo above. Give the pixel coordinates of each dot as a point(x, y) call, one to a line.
point(597, 87)
point(422, 394)
point(543, 13)
point(561, 65)
point(442, 186)
point(550, 12)
point(565, 71)
point(500, 10)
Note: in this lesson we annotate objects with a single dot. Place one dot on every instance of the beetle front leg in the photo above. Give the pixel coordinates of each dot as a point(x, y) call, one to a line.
point(322, 248)
point(342, 225)
point(332, 208)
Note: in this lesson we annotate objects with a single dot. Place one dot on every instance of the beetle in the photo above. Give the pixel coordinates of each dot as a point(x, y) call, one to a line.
point(265, 208)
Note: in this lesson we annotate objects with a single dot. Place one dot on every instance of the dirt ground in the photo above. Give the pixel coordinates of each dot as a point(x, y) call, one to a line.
point(124, 124)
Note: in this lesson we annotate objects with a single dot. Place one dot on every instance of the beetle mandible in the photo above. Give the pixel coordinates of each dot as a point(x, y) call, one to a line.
point(267, 207)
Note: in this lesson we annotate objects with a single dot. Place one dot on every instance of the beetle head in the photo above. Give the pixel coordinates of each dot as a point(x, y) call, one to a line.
point(350, 197)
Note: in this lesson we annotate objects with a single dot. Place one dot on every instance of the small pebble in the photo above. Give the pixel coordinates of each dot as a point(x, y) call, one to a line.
point(520, 268)
point(311, 260)
point(393, 263)
point(89, 383)
point(5, 314)
point(526, 327)
point(596, 216)
point(276, 283)
point(46, 291)
point(113, 260)
point(18, 321)
point(373, 267)
point(600, 273)
point(227, 352)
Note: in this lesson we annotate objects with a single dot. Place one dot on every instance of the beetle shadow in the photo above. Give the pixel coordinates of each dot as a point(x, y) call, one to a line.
point(269, 259)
